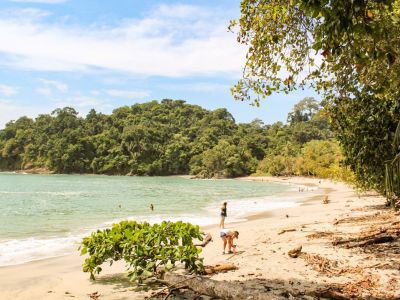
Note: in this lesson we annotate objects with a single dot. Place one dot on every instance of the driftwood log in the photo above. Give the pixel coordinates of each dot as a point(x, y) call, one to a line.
point(375, 240)
point(382, 235)
point(209, 270)
point(218, 289)
point(286, 230)
point(235, 290)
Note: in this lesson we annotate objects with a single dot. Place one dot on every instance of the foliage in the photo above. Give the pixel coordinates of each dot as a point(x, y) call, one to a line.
point(348, 50)
point(280, 162)
point(145, 139)
point(305, 146)
point(318, 157)
point(392, 171)
point(367, 128)
point(164, 138)
point(145, 248)
point(223, 160)
point(332, 43)
point(303, 111)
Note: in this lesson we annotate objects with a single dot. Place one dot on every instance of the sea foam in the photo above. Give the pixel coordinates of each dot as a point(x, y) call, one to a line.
point(39, 223)
point(13, 252)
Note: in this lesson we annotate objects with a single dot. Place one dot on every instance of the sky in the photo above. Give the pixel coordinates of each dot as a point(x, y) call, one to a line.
point(105, 54)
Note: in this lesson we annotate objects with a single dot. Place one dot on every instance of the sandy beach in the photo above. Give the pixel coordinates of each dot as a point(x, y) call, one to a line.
point(262, 256)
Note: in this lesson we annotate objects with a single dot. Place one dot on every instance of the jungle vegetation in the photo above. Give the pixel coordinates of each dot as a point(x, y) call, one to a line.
point(349, 51)
point(172, 137)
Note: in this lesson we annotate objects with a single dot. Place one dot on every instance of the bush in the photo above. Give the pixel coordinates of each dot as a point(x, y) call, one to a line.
point(144, 247)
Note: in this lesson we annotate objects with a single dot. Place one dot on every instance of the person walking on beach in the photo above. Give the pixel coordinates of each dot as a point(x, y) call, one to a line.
point(223, 215)
point(227, 237)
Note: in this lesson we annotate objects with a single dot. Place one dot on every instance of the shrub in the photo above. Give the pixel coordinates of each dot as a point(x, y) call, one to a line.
point(146, 248)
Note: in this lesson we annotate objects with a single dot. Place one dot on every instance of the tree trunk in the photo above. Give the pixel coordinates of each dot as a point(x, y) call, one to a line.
point(219, 268)
point(218, 289)
point(364, 241)
point(375, 240)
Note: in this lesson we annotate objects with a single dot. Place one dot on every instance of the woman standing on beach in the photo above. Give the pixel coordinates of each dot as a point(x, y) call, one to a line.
point(223, 215)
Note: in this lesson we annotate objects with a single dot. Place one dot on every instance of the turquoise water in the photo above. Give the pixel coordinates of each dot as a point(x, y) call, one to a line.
point(42, 215)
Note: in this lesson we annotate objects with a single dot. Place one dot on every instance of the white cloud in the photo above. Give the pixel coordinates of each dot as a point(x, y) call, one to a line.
point(44, 91)
point(11, 111)
point(39, 1)
point(198, 87)
point(128, 94)
point(171, 41)
point(83, 103)
point(7, 90)
point(50, 88)
point(24, 14)
point(58, 85)
point(181, 11)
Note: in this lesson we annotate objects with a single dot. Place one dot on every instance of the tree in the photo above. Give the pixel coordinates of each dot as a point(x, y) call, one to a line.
point(177, 155)
point(156, 138)
point(280, 161)
point(145, 248)
point(304, 110)
point(366, 128)
point(318, 157)
point(348, 50)
point(336, 44)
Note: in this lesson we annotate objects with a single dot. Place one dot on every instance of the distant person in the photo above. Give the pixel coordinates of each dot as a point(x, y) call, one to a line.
point(223, 215)
point(227, 237)
point(151, 206)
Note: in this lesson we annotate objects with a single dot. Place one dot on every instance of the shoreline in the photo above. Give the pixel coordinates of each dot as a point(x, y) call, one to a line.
point(299, 200)
point(263, 251)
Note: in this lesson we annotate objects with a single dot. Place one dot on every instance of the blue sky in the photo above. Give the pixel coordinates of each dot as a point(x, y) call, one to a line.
point(105, 54)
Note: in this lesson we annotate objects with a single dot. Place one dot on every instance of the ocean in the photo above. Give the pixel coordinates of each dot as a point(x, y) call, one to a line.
point(44, 216)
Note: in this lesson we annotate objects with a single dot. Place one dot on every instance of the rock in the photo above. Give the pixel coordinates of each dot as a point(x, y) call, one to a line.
point(295, 252)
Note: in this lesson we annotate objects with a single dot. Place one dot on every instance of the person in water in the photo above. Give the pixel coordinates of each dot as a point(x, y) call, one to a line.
point(227, 237)
point(223, 215)
point(151, 207)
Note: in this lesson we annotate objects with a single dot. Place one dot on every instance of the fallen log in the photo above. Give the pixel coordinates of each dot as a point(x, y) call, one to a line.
point(366, 240)
point(286, 230)
point(329, 293)
point(375, 240)
point(372, 236)
point(240, 291)
point(209, 270)
point(218, 289)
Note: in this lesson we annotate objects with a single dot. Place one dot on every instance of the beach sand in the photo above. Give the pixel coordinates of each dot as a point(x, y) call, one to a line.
point(261, 252)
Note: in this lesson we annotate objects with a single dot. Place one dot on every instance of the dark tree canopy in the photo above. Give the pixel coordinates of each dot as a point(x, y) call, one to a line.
point(157, 138)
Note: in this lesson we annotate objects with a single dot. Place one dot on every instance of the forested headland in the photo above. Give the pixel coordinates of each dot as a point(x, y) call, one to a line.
point(172, 137)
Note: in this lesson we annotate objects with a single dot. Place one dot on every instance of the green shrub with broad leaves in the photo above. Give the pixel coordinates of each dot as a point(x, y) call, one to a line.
point(145, 248)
